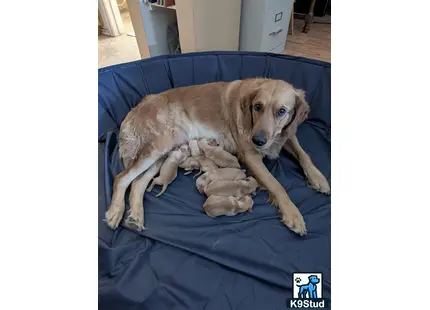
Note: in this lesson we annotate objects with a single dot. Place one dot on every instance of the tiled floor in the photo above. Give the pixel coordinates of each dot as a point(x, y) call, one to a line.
point(115, 50)
point(315, 44)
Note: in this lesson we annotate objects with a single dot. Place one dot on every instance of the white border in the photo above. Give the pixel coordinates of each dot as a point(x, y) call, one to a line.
point(380, 154)
point(48, 153)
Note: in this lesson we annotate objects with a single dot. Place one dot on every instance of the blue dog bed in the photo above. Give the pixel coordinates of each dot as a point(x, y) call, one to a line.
point(186, 260)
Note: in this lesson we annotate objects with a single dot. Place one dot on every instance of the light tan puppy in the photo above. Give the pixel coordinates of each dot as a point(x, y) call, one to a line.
point(218, 205)
point(206, 164)
point(194, 148)
point(221, 157)
point(237, 189)
point(189, 165)
point(225, 174)
point(169, 169)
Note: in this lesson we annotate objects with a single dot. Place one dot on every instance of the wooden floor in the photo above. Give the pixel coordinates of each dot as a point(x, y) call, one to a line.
point(315, 44)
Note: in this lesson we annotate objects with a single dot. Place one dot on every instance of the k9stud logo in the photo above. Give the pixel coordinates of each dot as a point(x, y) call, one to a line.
point(307, 292)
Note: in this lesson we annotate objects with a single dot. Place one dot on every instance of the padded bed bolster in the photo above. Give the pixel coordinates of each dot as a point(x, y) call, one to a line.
point(184, 259)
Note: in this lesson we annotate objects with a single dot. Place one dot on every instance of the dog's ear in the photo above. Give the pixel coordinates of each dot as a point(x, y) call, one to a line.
point(300, 114)
point(247, 92)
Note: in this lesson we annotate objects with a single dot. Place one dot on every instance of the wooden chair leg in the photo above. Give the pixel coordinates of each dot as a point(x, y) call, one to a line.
point(309, 17)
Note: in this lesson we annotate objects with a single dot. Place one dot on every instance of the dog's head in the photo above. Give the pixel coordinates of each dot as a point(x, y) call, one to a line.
point(314, 279)
point(272, 109)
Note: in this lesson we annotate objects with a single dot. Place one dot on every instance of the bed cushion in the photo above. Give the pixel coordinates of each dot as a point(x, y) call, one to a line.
point(186, 260)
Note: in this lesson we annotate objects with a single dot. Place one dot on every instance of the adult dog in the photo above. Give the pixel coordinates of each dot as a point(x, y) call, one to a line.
point(252, 118)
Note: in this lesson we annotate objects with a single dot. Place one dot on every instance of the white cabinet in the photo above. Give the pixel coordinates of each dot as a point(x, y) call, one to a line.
point(204, 25)
point(264, 25)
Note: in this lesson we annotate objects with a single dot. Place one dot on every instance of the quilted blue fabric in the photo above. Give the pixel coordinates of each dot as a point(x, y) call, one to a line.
point(186, 260)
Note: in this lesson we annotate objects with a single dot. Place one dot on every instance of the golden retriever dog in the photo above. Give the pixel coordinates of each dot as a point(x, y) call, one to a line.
point(252, 118)
point(229, 206)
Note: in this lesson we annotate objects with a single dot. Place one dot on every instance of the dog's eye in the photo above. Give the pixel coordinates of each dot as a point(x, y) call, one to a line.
point(282, 111)
point(257, 107)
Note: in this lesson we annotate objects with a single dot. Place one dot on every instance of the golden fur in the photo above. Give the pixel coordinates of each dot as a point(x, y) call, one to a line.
point(217, 154)
point(229, 206)
point(169, 169)
point(236, 189)
point(232, 113)
point(221, 174)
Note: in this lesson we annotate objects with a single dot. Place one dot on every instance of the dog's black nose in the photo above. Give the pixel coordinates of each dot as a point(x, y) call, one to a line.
point(259, 139)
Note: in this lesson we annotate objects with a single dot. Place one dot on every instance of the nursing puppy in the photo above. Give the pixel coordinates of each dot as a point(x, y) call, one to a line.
point(194, 148)
point(190, 164)
point(206, 164)
point(169, 169)
point(221, 174)
point(218, 205)
point(219, 156)
point(237, 189)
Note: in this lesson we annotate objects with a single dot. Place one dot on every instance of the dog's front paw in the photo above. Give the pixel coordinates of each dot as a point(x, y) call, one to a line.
point(136, 219)
point(318, 181)
point(114, 214)
point(293, 219)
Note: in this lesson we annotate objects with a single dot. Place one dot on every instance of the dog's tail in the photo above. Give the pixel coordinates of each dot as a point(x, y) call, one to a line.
point(162, 191)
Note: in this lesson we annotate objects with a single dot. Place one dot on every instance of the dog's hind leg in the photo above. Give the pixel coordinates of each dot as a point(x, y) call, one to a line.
point(138, 187)
point(116, 208)
point(151, 186)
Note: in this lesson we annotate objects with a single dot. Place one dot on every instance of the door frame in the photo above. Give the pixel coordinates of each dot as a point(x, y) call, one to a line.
point(111, 18)
point(134, 7)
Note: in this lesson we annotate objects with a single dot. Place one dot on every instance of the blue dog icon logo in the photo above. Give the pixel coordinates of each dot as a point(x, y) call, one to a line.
point(309, 290)
point(307, 285)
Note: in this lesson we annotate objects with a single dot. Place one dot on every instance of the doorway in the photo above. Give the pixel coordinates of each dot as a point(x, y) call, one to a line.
point(117, 42)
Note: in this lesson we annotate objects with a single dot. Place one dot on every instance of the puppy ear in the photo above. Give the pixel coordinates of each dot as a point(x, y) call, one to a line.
point(300, 114)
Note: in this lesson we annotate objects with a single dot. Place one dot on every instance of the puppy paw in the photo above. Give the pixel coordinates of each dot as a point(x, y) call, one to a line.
point(136, 220)
point(318, 181)
point(114, 214)
point(293, 219)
